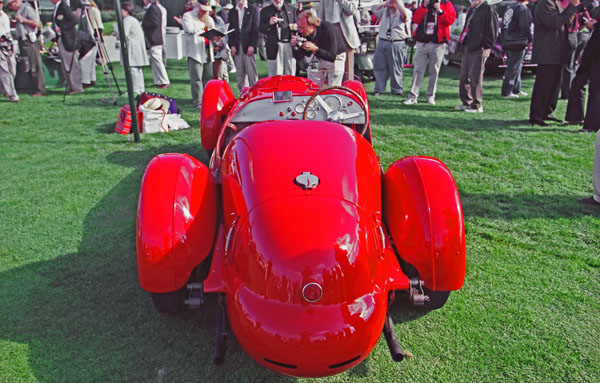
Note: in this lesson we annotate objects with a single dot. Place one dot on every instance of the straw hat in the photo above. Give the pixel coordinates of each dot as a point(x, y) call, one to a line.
point(156, 103)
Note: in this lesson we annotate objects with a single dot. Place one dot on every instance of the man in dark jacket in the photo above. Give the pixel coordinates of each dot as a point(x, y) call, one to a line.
point(243, 20)
point(64, 22)
point(551, 53)
point(275, 21)
point(319, 39)
point(152, 26)
point(478, 36)
point(516, 25)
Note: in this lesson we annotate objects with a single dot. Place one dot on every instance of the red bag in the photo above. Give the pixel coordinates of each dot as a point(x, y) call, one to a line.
point(124, 121)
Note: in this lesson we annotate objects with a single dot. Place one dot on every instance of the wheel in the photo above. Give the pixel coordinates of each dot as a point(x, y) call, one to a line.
point(169, 303)
point(173, 302)
point(335, 113)
point(437, 299)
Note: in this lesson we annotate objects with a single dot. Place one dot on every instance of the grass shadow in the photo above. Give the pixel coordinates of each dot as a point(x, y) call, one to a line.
point(68, 311)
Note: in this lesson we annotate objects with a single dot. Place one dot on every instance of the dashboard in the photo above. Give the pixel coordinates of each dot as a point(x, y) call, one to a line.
point(284, 105)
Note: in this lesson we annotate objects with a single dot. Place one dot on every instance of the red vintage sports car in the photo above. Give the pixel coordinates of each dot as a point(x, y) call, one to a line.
point(304, 236)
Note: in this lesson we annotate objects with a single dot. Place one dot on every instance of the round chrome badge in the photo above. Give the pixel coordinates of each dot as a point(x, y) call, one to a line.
point(312, 292)
point(307, 181)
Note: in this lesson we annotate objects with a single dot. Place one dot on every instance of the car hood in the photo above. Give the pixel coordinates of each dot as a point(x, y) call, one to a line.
point(265, 160)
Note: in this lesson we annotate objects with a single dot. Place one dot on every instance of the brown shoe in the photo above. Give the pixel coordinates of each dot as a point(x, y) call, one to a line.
point(37, 94)
point(163, 86)
point(75, 92)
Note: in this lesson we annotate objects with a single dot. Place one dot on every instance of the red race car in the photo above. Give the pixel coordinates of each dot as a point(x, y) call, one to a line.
point(297, 228)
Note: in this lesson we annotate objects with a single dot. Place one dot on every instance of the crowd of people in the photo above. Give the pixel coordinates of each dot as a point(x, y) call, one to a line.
point(562, 34)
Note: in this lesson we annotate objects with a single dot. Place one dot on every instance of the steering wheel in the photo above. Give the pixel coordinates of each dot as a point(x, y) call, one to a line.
point(337, 114)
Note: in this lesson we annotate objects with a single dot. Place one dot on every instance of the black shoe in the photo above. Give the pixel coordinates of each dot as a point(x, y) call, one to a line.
point(585, 131)
point(552, 118)
point(588, 201)
point(536, 122)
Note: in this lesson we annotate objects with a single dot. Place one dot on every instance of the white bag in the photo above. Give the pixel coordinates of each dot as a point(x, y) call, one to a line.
point(175, 122)
point(154, 120)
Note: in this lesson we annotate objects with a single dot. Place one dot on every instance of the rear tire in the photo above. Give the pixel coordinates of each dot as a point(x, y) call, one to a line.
point(437, 299)
point(169, 303)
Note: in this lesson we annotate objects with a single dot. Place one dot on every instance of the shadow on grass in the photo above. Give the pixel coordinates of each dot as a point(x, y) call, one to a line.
point(82, 317)
point(524, 206)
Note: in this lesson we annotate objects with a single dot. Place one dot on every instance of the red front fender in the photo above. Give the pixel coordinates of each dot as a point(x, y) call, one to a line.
point(423, 213)
point(217, 100)
point(176, 222)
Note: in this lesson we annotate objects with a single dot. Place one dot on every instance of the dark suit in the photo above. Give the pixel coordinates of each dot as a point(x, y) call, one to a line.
point(248, 35)
point(550, 52)
point(241, 39)
point(288, 14)
point(65, 19)
point(151, 24)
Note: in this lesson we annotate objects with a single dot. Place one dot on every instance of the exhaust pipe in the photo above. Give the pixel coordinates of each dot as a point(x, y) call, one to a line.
point(392, 340)
point(220, 331)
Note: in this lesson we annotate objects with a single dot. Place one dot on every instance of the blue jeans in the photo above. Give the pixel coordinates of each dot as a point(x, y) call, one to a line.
point(512, 73)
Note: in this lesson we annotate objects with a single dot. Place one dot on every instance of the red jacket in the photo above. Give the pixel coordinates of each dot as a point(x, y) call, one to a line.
point(444, 20)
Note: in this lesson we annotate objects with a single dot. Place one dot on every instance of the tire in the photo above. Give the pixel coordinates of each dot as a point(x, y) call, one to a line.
point(169, 303)
point(437, 299)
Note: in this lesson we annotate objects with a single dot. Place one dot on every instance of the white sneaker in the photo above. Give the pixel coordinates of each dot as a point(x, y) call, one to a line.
point(462, 107)
point(410, 101)
point(431, 100)
point(474, 110)
point(521, 93)
point(512, 95)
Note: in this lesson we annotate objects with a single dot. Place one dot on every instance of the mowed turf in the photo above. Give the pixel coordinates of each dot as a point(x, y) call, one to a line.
point(71, 309)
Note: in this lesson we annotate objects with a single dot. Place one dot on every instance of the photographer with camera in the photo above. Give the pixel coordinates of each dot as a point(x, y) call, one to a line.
point(317, 38)
point(7, 58)
point(433, 20)
point(391, 51)
point(27, 27)
point(276, 21)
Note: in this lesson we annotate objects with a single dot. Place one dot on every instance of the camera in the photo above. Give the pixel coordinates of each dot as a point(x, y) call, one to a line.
point(300, 40)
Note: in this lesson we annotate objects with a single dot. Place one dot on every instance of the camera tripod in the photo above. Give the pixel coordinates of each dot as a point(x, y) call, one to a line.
point(100, 48)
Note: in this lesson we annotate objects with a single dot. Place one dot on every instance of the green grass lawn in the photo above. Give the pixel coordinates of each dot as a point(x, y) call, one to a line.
point(71, 309)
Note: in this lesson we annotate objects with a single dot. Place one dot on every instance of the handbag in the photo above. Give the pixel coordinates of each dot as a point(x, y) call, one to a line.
point(123, 125)
point(514, 43)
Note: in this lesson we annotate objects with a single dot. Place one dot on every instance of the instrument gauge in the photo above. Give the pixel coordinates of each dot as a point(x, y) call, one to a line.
point(311, 114)
point(299, 108)
point(333, 102)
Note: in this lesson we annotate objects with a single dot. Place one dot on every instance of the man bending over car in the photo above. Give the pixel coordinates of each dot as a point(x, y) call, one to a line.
point(318, 40)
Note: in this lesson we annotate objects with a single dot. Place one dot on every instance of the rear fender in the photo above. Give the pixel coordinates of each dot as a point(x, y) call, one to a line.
point(217, 100)
point(176, 222)
point(423, 213)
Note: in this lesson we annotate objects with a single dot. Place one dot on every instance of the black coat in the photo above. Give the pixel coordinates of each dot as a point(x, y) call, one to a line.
point(520, 22)
point(248, 35)
point(550, 34)
point(151, 24)
point(288, 14)
point(482, 28)
point(72, 38)
point(591, 53)
point(325, 39)
point(65, 19)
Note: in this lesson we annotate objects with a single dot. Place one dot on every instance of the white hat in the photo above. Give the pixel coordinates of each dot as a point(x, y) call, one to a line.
point(156, 103)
